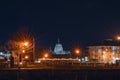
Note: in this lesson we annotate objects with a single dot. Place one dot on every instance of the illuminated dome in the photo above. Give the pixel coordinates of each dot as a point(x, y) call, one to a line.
point(59, 49)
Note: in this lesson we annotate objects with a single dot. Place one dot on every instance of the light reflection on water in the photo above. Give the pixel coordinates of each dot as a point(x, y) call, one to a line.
point(61, 75)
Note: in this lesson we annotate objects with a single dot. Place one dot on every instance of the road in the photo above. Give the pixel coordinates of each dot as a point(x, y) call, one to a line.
point(61, 67)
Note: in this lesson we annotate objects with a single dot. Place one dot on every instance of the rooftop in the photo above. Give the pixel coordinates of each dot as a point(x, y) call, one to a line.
point(106, 42)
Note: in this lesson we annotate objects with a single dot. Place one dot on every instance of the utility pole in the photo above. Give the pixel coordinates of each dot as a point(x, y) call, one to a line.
point(33, 49)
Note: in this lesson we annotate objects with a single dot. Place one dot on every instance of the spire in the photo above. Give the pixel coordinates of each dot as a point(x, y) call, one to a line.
point(58, 48)
point(50, 49)
point(58, 41)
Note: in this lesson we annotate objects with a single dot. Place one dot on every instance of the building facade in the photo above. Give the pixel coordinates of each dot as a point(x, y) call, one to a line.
point(107, 51)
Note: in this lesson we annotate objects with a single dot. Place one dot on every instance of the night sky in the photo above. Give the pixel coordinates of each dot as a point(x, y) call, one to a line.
point(74, 22)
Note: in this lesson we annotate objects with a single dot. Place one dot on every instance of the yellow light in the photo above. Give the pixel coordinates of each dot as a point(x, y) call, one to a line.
point(118, 38)
point(46, 55)
point(23, 51)
point(26, 57)
point(106, 49)
point(26, 43)
point(43, 58)
point(77, 51)
point(104, 52)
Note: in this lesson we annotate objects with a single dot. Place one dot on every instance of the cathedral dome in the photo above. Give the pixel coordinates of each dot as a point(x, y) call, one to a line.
point(58, 49)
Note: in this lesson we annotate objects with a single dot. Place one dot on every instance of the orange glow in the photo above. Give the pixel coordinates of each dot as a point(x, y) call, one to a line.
point(104, 52)
point(26, 57)
point(43, 58)
point(46, 55)
point(23, 51)
point(106, 49)
point(118, 37)
point(26, 43)
point(78, 52)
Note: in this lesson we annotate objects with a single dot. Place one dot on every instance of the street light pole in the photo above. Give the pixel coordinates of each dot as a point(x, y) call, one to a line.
point(33, 49)
point(77, 51)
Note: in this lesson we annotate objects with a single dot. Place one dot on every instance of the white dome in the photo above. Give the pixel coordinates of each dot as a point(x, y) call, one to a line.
point(58, 49)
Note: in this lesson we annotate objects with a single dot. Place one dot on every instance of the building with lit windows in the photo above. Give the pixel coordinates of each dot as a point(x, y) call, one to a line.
point(106, 51)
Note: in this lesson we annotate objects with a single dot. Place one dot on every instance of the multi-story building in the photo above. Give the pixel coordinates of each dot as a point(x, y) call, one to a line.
point(106, 51)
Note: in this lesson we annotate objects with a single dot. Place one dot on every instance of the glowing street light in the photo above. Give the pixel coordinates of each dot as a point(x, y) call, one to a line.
point(46, 55)
point(26, 57)
point(77, 51)
point(28, 45)
point(23, 51)
point(22, 47)
point(25, 43)
point(118, 37)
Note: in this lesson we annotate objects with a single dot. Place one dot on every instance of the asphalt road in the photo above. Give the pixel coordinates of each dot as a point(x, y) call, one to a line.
point(62, 67)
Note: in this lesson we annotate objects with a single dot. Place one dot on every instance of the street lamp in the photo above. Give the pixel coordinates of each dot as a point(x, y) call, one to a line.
point(28, 45)
point(118, 37)
point(25, 43)
point(22, 48)
point(33, 49)
point(23, 51)
point(46, 55)
point(26, 57)
point(78, 52)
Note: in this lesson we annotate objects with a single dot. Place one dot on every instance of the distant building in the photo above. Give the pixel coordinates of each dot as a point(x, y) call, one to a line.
point(58, 49)
point(4, 55)
point(106, 51)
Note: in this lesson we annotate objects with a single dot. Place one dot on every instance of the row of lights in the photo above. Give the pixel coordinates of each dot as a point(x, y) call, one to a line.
point(25, 44)
point(77, 52)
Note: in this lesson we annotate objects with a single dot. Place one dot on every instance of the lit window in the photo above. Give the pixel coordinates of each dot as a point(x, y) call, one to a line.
point(99, 50)
point(113, 48)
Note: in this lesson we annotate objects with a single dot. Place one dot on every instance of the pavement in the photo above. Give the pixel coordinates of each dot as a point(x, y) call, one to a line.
point(62, 67)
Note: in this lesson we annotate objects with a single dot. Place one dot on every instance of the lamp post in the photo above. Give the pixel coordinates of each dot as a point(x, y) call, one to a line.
point(77, 51)
point(46, 55)
point(26, 58)
point(22, 49)
point(118, 37)
point(33, 49)
point(26, 44)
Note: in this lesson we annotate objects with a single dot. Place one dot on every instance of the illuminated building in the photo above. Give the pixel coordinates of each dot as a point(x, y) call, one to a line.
point(107, 51)
point(58, 49)
point(2, 55)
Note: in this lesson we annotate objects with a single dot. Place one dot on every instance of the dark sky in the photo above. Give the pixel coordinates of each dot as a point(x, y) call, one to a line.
point(74, 22)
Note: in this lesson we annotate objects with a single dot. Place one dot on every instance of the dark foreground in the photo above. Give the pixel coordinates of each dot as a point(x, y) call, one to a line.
point(63, 74)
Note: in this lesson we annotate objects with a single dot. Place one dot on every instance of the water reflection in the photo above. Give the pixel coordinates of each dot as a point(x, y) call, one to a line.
point(61, 75)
